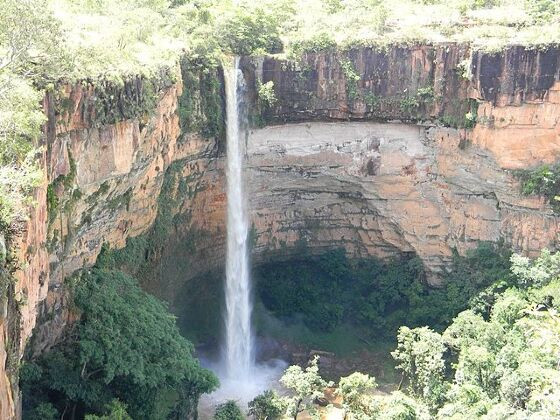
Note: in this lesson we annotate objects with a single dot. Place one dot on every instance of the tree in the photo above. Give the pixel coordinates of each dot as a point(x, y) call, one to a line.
point(267, 406)
point(420, 356)
point(467, 328)
point(31, 55)
point(31, 41)
point(228, 411)
point(477, 366)
point(307, 385)
point(399, 406)
point(543, 10)
point(115, 410)
point(509, 308)
point(126, 346)
point(537, 272)
point(248, 30)
point(355, 390)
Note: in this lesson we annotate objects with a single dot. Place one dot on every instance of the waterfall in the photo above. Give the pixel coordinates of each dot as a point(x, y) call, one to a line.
point(238, 357)
point(241, 379)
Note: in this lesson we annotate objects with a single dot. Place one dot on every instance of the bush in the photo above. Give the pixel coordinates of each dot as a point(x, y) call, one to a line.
point(543, 10)
point(501, 366)
point(228, 411)
point(247, 31)
point(116, 410)
point(266, 93)
point(544, 180)
point(267, 406)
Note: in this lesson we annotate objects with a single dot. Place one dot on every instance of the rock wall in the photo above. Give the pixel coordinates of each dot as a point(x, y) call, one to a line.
point(439, 83)
point(102, 187)
point(332, 168)
point(383, 189)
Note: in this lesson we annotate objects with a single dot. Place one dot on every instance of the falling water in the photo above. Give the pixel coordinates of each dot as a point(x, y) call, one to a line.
point(238, 358)
point(241, 379)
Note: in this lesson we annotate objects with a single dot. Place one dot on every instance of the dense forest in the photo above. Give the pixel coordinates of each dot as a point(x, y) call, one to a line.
point(497, 358)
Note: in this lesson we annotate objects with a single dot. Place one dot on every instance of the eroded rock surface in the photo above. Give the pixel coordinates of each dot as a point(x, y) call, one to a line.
point(381, 189)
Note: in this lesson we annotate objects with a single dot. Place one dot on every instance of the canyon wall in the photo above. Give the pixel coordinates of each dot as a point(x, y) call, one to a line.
point(383, 188)
point(373, 150)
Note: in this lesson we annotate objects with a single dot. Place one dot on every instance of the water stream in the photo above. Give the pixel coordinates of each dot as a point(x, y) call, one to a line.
point(238, 356)
point(241, 378)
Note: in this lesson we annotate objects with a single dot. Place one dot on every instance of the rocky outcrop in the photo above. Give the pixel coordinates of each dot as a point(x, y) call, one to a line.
point(102, 187)
point(373, 150)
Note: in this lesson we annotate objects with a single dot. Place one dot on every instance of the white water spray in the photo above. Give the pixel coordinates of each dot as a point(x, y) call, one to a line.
point(238, 357)
point(240, 378)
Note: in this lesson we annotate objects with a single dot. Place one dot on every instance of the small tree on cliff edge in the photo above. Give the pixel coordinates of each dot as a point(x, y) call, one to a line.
point(306, 384)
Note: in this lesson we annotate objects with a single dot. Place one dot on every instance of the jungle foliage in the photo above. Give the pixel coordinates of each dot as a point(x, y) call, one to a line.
point(543, 180)
point(498, 360)
point(329, 289)
point(125, 355)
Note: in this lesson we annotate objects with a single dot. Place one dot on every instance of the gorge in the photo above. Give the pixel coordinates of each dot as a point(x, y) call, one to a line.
point(423, 153)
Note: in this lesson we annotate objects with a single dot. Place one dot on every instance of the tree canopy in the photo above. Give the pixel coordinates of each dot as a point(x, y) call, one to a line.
point(125, 346)
point(497, 360)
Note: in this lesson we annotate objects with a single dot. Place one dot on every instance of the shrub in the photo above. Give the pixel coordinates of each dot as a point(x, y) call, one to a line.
point(266, 94)
point(544, 180)
point(355, 390)
point(267, 406)
point(228, 411)
point(543, 10)
point(247, 31)
point(306, 386)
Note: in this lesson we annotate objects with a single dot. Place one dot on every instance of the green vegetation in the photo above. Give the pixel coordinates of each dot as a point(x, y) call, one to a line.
point(352, 78)
point(115, 410)
point(228, 411)
point(125, 346)
point(306, 386)
point(503, 354)
point(330, 289)
point(137, 258)
point(200, 104)
point(544, 180)
point(352, 389)
point(132, 97)
point(29, 54)
point(64, 183)
point(265, 91)
point(497, 360)
point(267, 406)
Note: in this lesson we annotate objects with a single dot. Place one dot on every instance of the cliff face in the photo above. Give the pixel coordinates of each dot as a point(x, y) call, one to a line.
point(388, 188)
point(384, 189)
point(324, 172)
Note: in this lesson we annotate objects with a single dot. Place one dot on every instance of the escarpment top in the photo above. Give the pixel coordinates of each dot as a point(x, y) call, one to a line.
point(442, 82)
point(131, 123)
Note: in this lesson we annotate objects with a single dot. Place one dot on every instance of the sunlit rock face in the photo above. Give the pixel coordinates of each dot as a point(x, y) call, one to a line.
point(315, 175)
point(384, 189)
